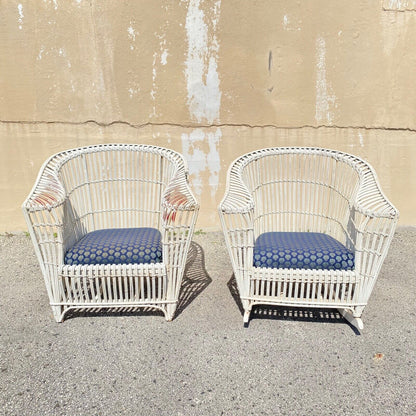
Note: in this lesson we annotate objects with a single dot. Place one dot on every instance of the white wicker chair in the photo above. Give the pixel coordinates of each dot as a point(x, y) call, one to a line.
point(121, 189)
point(305, 190)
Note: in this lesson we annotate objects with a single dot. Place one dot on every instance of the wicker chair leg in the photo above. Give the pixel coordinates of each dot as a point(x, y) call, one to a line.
point(246, 317)
point(352, 318)
point(58, 313)
point(170, 311)
point(247, 311)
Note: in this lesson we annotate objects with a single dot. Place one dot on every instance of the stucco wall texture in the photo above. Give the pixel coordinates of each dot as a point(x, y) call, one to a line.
point(212, 79)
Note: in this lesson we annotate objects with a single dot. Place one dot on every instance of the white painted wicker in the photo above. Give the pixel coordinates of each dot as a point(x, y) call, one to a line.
point(306, 190)
point(111, 186)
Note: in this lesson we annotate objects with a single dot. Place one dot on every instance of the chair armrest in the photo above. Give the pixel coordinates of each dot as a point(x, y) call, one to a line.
point(236, 211)
point(373, 220)
point(177, 198)
point(179, 214)
point(47, 192)
point(43, 211)
point(237, 198)
point(370, 200)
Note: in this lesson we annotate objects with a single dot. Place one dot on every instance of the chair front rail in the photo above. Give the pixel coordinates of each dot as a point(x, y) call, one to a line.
point(113, 284)
point(307, 286)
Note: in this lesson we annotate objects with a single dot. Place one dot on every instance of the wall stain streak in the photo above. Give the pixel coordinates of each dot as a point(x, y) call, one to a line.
point(200, 161)
point(399, 5)
point(325, 101)
point(202, 80)
point(21, 16)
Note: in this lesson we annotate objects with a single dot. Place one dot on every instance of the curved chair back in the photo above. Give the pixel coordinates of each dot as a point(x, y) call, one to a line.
point(300, 191)
point(112, 186)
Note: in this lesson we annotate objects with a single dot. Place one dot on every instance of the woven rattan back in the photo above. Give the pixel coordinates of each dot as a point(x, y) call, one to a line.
point(294, 191)
point(113, 188)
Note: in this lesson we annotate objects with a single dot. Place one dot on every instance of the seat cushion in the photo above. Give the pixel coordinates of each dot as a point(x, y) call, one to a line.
point(291, 250)
point(117, 246)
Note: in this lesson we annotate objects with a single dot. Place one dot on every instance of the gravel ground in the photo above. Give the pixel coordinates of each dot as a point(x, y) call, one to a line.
point(287, 362)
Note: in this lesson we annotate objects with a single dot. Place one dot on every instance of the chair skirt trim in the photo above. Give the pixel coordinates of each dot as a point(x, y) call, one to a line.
point(98, 270)
point(109, 286)
point(65, 308)
point(303, 287)
point(301, 303)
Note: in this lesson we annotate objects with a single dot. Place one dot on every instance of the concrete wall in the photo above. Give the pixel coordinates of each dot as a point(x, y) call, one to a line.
point(211, 79)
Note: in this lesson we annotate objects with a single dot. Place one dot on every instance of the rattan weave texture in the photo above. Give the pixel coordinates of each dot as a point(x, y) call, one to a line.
point(105, 187)
point(299, 189)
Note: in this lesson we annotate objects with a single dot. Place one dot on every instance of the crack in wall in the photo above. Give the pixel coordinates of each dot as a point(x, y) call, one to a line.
point(207, 126)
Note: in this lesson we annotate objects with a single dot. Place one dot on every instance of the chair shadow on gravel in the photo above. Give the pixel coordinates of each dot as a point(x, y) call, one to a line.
point(195, 280)
point(286, 313)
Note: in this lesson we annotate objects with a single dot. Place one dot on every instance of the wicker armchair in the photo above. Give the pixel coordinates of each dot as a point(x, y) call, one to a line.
point(306, 227)
point(111, 226)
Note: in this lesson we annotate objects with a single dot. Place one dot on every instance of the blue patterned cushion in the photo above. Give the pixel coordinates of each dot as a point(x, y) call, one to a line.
point(290, 250)
point(117, 246)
